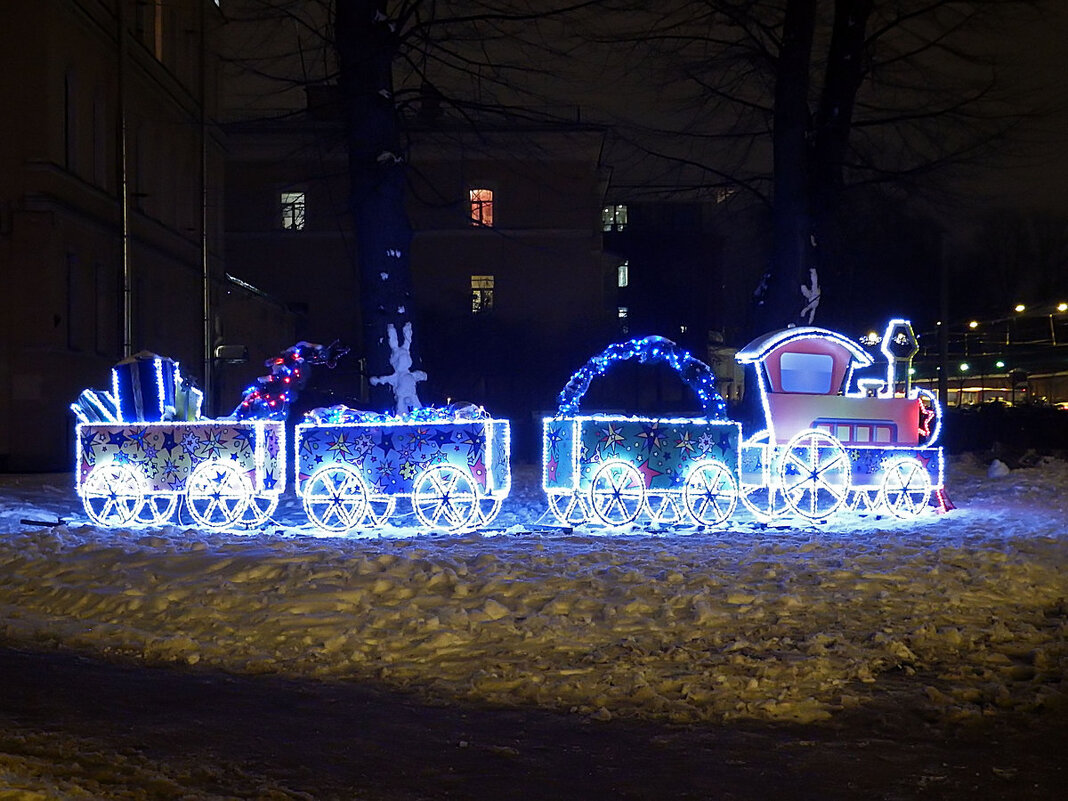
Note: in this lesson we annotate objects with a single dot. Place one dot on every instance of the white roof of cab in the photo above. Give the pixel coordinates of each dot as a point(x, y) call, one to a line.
point(759, 348)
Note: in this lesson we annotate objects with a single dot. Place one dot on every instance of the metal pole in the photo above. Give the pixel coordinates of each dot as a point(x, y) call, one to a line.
point(943, 329)
point(124, 189)
point(205, 262)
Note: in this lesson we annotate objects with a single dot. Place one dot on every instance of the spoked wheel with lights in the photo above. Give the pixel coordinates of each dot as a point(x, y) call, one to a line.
point(487, 510)
point(335, 498)
point(756, 489)
point(906, 488)
point(113, 495)
point(158, 509)
point(445, 497)
point(379, 509)
point(763, 502)
point(815, 474)
point(569, 508)
point(617, 494)
point(217, 495)
point(259, 510)
point(711, 493)
point(666, 508)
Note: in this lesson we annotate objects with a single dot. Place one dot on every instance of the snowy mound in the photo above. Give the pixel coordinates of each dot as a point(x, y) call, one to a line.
point(779, 622)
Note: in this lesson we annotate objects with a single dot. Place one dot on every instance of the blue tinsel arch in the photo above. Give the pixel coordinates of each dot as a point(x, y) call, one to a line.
point(648, 350)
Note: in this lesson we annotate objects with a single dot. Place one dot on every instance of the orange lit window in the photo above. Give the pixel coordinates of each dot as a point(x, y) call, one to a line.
point(481, 207)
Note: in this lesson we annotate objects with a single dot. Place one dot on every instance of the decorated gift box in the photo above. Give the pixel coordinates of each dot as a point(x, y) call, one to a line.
point(612, 469)
point(144, 386)
point(452, 464)
point(143, 448)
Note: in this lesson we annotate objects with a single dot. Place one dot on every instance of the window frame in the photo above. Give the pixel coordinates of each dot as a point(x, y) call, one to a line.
point(287, 209)
point(483, 286)
point(478, 220)
point(614, 217)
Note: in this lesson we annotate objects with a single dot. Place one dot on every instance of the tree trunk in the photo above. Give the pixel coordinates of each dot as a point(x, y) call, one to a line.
point(846, 65)
point(367, 46)
point(781, 301)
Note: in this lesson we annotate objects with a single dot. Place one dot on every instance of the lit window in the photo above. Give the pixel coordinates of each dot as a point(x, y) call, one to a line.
point(292, 204)
point(808, 373)
point(623, 274)
point(724, 193)
point(481, 207)
point(481, 293)
point(614, 218)
point(624, 322)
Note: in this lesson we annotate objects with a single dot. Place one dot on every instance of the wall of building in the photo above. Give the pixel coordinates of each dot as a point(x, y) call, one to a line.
point(71, 85)
point(553, 304)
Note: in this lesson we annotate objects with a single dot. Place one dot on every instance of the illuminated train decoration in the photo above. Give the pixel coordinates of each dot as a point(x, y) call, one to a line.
point(451, 465)
point(827, 446)
point(830, 443)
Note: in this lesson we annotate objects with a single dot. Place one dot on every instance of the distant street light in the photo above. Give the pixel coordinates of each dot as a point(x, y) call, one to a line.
point(973, 324)
point(964, 367)
point(1020, 307)
point(1062, 307)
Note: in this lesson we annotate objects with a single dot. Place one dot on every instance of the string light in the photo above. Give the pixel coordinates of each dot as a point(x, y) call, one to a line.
point(270, 397)
point(231, 474)
point(895, 469)
point(598, 467)
point(648, 350)
point(612, 468)
point(452, 463)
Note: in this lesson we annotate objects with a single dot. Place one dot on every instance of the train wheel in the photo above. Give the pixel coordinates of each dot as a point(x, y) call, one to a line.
point(711, 493)
point(665, 508)
point(379, 510)
point(488, 509)
point(158, 509)
point(217, 494)
point(617, 494)
point(113, 494)
point(569, 508)
point(764, 503)
point(906, 489)
point(335, 498)
point(259, 510)
point(815, 474)
point(444, 497)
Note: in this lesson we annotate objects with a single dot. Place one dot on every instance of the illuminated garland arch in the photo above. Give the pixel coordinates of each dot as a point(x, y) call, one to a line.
point(649, 350)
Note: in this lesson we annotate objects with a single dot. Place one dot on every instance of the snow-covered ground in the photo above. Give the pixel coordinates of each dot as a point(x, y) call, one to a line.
point(787, 622)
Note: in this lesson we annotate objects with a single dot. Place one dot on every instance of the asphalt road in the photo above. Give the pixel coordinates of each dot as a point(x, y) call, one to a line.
point(112, 729)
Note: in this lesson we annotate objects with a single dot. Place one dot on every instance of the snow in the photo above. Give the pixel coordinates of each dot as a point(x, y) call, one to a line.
point(791, 621)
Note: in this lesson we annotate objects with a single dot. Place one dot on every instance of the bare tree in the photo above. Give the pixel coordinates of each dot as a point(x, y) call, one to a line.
point(803, 103)
point(396, 63)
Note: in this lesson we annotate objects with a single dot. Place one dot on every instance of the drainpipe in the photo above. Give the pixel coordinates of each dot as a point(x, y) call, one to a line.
point(205, 263)
point(124, 189)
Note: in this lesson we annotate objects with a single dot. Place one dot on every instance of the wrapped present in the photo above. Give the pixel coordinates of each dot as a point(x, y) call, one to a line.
point(187, 402)
point(143, 386)
point(95, 406)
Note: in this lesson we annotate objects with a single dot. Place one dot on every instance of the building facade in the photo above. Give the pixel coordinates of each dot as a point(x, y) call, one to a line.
point(110, 206)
